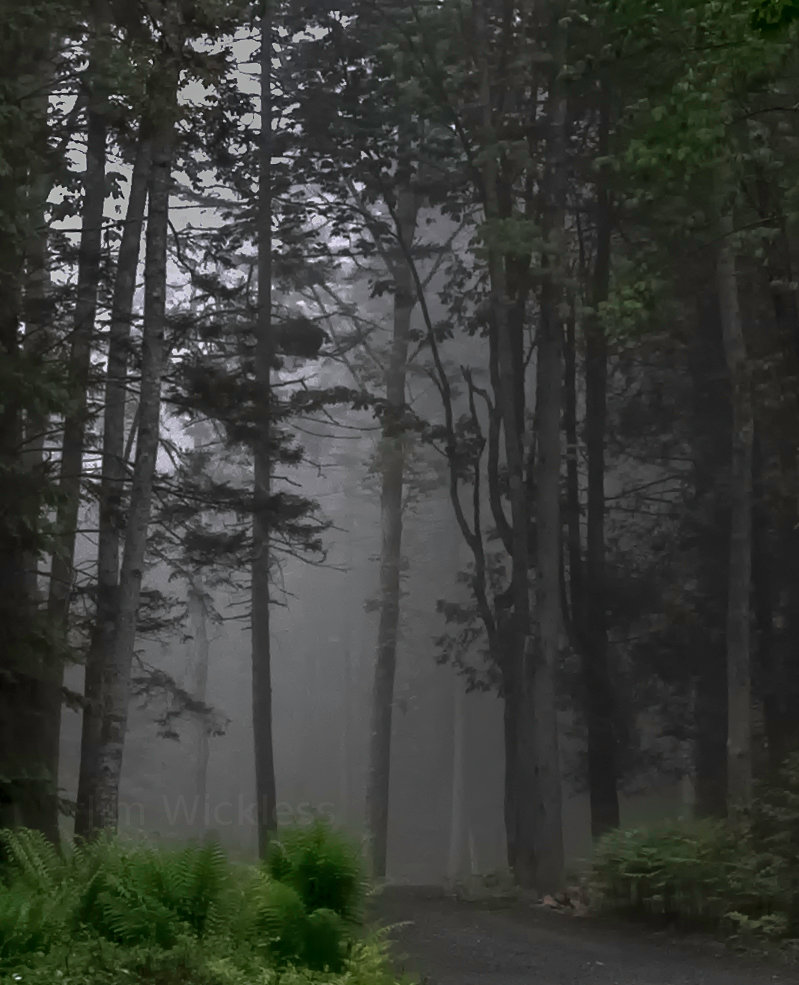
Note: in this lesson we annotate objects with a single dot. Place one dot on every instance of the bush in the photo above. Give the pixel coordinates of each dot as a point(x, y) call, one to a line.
point(699, 874)
point(323, 867)
point(311, 897)
point(179, 916)
point(674, 870)
point(775, 837)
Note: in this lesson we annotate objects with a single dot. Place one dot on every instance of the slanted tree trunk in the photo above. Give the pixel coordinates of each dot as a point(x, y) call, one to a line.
point(71, 466)
point(392, 454)
point(597, 683)
point(739, 697)
point(265, 792)
point(112, 488)
point(117, 670)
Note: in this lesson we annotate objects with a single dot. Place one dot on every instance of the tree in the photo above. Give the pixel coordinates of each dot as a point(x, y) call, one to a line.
point(32, 388)
point(262, 453)
point(112, 487)
point(117, 666)
point(392, 460)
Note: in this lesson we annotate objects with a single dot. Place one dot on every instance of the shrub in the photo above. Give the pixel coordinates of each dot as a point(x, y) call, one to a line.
point(323, 867)
point(180, 916)
point(775, 837)
point(700, 874)
point(673, 870)
point(135, 894)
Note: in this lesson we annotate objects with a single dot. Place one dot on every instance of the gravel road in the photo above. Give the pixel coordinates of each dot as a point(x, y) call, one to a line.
point(446, 942)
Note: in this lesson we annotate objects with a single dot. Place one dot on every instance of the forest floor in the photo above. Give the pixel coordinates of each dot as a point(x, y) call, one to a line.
point(439, 940)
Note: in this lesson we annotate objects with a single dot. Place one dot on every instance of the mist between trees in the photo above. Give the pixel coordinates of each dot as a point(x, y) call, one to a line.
point(398, 420)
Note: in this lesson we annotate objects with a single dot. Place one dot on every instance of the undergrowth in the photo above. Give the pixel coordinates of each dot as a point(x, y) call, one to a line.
point(109, 912)
point(707, 875)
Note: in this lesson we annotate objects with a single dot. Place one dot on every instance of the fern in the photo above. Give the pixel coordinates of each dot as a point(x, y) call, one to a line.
point(323, 867)
point(31, 858)
point(280, 919)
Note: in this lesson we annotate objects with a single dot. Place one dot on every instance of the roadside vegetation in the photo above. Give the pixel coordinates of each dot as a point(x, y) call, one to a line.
point(113, 912)
point(711, 874)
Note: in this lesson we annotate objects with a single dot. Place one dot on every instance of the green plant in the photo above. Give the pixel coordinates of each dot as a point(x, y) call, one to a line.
point(675, 870)
point(279, 919)
point(775, 836)
point(699, 873)
point(322, 866)
point(176, 917)
point(141, 894)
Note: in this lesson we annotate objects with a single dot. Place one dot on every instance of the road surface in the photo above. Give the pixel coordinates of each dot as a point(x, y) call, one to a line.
point(446, 942)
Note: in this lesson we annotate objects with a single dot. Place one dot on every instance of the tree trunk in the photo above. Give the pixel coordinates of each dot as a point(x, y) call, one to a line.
point(597, 684)
point(197, 686)
point(544, 654)
point(112, 486)
point(458, 819)
point(71, 466)
point(739, 725)
point(28, 786)
point(392, 487)
point(265, 792)
point(707, 518)
point(573, 508)
point(117, 669)
point(506, 326)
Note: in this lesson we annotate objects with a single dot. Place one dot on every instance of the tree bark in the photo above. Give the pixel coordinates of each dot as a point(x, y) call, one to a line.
point(506, 327)
point(543, 654)
point(71, 466)
point(28, 786)
point(739, 725)
point(117, 670)
point(573, 508)
point(391, 495)
point(458, 820)
point(112, 486)
point(709, 514)
point(198, 688)
point(597, 683)
point(265, 792)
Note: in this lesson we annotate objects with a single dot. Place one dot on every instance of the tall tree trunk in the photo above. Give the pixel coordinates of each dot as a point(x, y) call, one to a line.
point(544, 655)
point(28, 785)
point(197, 686)
point(458, 820)
point(739, 699)
point(71, 466)
point(506, 326)
point(573, 510)
point(112, 487)
point(265, 792)
point(597, 684)
point(22, 795)
point(391, 495)
point(117, 669)
point(709, 513)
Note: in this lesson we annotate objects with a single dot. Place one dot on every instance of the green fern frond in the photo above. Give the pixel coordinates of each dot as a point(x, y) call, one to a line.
point(323, 867)
point(29, 856)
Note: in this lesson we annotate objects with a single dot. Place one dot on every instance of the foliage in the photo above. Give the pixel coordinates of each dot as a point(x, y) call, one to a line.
point(178, 915)
point(699, 874)
point(323, 868)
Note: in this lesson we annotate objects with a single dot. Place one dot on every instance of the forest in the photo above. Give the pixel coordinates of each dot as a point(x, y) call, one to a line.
point(398, 429)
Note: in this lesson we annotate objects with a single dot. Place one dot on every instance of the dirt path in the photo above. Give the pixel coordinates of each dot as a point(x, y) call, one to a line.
point(452, 943)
